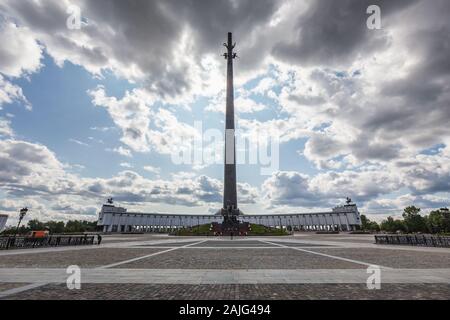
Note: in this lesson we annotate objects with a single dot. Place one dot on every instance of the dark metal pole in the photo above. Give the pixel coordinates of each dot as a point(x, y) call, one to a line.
point(22, 214)
point(17, 229)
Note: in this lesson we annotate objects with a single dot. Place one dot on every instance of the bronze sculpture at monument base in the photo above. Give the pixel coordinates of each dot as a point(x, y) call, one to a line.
point(230, 226)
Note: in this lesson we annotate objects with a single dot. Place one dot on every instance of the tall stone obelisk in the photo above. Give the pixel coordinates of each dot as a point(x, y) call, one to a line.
point(230, 207)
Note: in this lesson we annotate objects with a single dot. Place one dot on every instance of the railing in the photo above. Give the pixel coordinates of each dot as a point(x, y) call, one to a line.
point(414, 240)
point(21, 242)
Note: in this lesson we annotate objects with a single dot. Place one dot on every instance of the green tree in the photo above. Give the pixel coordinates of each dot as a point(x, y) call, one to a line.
point(368, 225)
point(36, 225)
point(438, 221)
point(413, 221)
point(364, 222)
point(55, 227)
point(374, 226)
point(392, 225)
point(12, 231)
point(80, 226)
point(72, 226)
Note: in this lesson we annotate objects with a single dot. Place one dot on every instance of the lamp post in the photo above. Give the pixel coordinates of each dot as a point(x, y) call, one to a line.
point(22, 214)
point(198, 224)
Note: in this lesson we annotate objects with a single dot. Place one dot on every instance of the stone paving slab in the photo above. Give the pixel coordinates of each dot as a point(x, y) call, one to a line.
point(222, 276)
point(166, 244)
point(257, 261)
point(237, 291)
point(348, 240)
point(276, 258)
point(393, 258)
point(8, 286)
point(337, 237)
point(231, 243)
point(82, 258)
point(299, 244)
point(137, 237)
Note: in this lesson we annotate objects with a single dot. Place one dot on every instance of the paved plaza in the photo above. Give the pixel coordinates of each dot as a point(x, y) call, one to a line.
point(303, 266)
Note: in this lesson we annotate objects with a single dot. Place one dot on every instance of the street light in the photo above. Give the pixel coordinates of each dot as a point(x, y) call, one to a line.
point(22, 214)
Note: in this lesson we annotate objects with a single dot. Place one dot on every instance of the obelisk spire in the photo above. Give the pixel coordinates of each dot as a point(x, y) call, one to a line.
point(230, 205)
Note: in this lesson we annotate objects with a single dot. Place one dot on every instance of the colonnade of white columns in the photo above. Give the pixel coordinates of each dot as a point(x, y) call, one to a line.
point(130, 222)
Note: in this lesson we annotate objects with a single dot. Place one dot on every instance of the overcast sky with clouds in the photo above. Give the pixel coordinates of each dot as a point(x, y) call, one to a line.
point(97, 112)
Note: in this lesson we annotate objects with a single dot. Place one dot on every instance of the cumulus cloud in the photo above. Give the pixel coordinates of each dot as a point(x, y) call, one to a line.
point(122, 38)
point(344, 110)
point(122, 151)
point(69, 206)
point(5, 128)
point(289, 188)
point(20, 53)
point(130, 187)
point(131, 114)
point(152, 169)
point(144, 127)
point(171, 135)
point(426, 177)
point(324, 190)
point(10, 93)
point(332, 33)
point(28, 169)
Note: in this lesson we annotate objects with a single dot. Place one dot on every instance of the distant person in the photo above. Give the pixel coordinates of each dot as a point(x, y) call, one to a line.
point(99, 239)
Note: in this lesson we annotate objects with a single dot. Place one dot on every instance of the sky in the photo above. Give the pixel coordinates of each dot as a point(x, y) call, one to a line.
point(105, 107)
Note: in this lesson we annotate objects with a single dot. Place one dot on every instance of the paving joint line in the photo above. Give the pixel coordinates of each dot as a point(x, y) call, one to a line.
point(38, 285)
point(328, 255)
point(226, 276)
point(148, 256)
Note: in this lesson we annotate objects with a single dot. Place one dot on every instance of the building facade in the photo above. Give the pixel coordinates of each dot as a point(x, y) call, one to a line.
point(117, 219)
point(3, 219)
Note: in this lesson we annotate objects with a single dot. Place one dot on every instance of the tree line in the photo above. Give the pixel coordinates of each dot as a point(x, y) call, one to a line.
point(54, 227)
point(437, 221)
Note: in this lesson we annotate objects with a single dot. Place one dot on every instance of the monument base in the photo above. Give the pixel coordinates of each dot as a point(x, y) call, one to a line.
point(231, 226)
